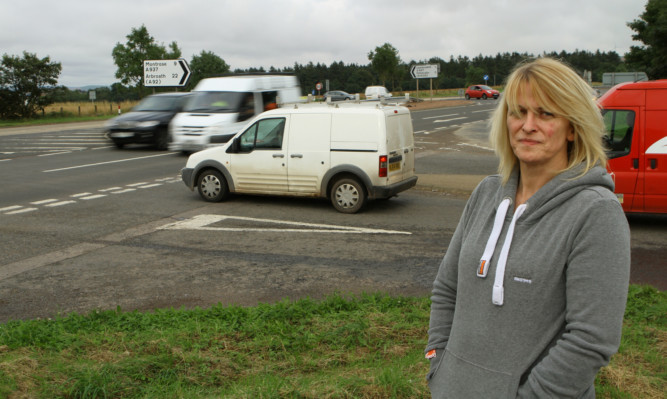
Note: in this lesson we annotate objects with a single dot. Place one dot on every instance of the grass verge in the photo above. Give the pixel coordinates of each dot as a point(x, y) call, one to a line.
point(367, 346)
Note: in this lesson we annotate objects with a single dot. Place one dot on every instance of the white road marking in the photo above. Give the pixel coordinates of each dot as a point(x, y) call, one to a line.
point(24, 210)
point(440, 116)
point(46, 201)
point(105, 163)
point(10, 208)
point(93, 196)
point(475, 146)
point(61, 203)
point(79, 195)
point(127, 190)
point(447, 120)
point(203, 222)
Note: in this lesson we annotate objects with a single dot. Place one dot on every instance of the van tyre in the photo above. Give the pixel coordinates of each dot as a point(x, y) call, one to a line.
point(348, 195)
point(212, 186)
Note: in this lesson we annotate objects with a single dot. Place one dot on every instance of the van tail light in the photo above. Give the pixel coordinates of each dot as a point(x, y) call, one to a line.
point(382, 171)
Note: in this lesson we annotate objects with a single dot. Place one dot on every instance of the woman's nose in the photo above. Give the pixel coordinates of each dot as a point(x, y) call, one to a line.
point(529, 123)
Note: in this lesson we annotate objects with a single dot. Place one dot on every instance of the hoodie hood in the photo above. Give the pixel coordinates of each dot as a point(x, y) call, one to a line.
point(558, 190)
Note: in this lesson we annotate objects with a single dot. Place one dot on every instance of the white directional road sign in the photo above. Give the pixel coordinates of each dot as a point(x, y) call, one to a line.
point(424, 71)
point(166, 73)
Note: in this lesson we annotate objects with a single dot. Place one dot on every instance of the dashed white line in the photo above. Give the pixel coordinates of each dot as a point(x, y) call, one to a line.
point(24, 210)
point(127, 190)
point(79, 195)
point(151, 185)
point(93, 196)
point(10, 208)
point(46, 201)
point(61, 203)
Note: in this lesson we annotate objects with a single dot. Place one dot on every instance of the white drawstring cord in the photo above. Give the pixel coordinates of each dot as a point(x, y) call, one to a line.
point(484, 263)
point(498, 289)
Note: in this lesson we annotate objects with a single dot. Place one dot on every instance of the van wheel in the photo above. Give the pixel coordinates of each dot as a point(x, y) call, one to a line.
point(348, 195)
point(212, 186)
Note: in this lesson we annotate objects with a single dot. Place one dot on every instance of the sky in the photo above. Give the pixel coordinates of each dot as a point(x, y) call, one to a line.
point(80, 34)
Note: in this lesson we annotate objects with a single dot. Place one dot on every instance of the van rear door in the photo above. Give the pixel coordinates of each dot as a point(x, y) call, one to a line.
point(400, 147)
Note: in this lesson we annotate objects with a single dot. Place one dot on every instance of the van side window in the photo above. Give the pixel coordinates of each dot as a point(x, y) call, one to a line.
point(270, 100)
point(619, 125)
point(262, 135)
point(247, 107)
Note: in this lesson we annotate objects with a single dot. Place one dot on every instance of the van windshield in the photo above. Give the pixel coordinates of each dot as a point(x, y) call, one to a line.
point(215, 101)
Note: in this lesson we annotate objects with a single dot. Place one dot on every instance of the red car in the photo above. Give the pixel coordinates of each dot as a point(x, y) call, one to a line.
point(481, 91)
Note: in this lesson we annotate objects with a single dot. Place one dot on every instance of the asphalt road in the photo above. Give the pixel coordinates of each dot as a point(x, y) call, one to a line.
point(86, 226)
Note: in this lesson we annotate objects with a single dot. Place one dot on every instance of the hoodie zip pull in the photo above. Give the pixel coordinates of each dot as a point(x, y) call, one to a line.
point(498, 222)
point(498, 289)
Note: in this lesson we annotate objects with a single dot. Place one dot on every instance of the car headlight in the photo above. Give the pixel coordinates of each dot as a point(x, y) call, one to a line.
point(146, 124)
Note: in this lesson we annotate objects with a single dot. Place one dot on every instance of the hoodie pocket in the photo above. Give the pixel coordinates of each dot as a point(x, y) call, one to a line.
point(455, 378)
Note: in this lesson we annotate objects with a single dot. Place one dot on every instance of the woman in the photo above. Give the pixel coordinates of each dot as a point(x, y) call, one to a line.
point(529, 299)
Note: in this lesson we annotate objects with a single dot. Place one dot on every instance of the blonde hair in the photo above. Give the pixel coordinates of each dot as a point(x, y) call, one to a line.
point(560, 90)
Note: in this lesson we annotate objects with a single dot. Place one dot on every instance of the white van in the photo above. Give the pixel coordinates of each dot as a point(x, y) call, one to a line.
point(377, 92)
point(347, 152)
point(219, 107)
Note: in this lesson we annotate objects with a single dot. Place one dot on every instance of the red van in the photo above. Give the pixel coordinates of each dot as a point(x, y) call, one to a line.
point(635, 116)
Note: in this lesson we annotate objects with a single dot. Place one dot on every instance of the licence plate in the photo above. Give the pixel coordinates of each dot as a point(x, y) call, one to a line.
point(394, 166)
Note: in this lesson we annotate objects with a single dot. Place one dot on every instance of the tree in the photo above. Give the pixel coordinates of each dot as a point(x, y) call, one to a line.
point(140, 46)
point(384, 60)
point(26, 84)
point(205, 65)
point(474, 75)
point(651, 30)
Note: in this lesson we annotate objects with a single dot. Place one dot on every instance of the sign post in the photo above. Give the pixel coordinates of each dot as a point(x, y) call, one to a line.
point(166, 73)
point(424, 71)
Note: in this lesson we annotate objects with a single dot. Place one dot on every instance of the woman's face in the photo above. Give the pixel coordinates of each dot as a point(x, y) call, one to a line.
point(538, 137)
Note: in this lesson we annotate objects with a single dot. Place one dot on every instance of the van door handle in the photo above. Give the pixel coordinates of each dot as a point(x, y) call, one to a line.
point(654, 163)
point(635, 163)
point(296, 156)
point(279, 155)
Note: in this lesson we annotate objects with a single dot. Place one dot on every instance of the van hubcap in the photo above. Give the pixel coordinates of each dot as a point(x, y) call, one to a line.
point(347, 195)
point(210, 186)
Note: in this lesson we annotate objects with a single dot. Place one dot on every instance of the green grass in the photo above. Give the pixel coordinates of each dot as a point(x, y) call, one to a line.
point(368, 346)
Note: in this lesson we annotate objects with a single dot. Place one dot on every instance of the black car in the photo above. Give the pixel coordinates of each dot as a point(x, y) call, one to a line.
point(147, 122)
point(338, 96)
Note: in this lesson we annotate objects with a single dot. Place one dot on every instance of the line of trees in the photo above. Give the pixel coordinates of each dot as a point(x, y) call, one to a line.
point(28, 83)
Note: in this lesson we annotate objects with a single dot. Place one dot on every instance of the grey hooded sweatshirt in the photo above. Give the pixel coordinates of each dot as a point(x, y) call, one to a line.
point(536, 309)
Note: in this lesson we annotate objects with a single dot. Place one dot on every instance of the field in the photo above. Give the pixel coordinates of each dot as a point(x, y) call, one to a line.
point(87, 108)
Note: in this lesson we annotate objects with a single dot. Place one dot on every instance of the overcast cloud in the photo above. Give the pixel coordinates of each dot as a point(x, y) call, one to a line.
point(80, 34)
